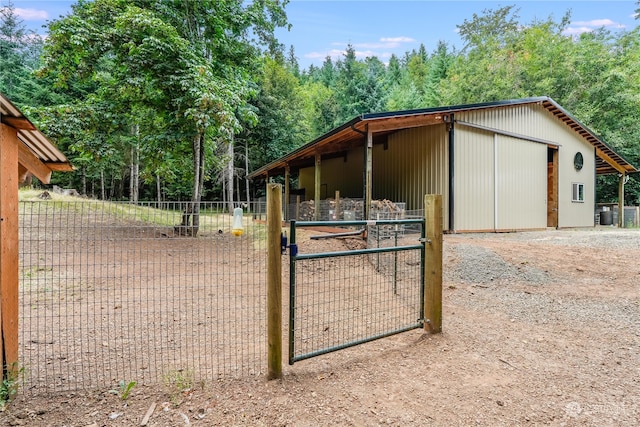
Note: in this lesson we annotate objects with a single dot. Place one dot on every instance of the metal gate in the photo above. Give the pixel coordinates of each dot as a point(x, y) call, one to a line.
point(343, 298)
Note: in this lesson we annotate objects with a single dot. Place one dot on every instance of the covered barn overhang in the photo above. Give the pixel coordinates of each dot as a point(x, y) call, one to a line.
point(352, 134)
point(23, 150)
point(369, 129)
point(36, 154)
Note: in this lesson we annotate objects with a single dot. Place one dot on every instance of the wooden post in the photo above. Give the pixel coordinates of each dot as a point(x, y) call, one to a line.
point(368, 180)
point(316, 197)
point(9, 146)
point(287, 197)
point(297, 218)
point(621, 201)
point(433, 263)
point(274, 281)
point(337, 209)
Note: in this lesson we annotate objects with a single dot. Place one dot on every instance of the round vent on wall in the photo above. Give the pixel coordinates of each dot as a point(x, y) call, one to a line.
point(578, 161)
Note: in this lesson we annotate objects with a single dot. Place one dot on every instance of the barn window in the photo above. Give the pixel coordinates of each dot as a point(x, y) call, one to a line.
point(577, 194)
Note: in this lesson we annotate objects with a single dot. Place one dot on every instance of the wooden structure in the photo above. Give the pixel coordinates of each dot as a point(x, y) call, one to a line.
point(23, 150)
point(274, 281)
point(500, 166)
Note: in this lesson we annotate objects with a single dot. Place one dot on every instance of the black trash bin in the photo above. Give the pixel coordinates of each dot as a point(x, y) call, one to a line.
point(606, 218)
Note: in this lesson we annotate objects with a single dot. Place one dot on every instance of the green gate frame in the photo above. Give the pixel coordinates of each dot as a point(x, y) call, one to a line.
point(294, 256)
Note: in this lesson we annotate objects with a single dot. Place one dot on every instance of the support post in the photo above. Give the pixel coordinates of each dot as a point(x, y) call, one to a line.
point(621, 201)
point(287, 178)
point(316, 196)
point(337, 207)
point(9, 147)
point(368, 181)
point(274, 281)
point(433, 263)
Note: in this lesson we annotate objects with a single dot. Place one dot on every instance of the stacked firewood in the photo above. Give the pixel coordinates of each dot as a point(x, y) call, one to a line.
point(386, 209)
point(329, 211)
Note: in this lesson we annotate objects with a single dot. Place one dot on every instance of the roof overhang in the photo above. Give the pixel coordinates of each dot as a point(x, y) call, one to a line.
point(36, 154)
point(353, 134)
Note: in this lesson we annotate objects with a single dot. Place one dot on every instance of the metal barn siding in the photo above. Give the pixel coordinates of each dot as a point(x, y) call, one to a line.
point(519, 161)
point(339, 173)
point(412, 163)
point(473, 180)
point(570, 213)
point(521, 195)
point(539, 122)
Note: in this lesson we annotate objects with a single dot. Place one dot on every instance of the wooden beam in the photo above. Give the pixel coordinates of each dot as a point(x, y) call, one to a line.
point(404, 122)
point(29, 160)
point(23, 173)
point(60, 167)
point(20, 123)
point(9, 259)
point(610, 161)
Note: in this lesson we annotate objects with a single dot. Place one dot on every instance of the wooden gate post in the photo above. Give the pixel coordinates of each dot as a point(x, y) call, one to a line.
point(433, 263)
point(9, 145)
point(274, 281)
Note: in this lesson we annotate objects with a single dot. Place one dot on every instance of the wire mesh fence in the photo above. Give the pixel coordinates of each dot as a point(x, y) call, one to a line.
point(114, 291)
point(342, 297)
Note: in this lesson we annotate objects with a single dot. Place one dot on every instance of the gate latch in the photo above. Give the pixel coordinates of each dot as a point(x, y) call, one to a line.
point(283, 245)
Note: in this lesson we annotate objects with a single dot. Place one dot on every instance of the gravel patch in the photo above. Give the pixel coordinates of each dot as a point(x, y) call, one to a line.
point(599, 237)
point(476, 264)
point(539, 308)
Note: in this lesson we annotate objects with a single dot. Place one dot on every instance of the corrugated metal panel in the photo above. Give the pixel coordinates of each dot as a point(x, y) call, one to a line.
point(519, 161)
point(342, 174)
point(473, 180)
point(414, 163)
point(521, 189)
point(527, 119)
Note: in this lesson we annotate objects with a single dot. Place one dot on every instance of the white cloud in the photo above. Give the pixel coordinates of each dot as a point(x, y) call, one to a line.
point(333, 53)
point(382, 49)
point(580, 27)
point(375, 45)
point(597, 23)
point(576, 31)
point(383, 43)
point(397, 40)
point(32, 14)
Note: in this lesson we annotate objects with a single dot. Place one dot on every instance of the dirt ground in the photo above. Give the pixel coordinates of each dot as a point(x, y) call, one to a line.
point(540, 328)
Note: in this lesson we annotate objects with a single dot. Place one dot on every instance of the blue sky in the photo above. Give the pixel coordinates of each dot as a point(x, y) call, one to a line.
point(382, 27)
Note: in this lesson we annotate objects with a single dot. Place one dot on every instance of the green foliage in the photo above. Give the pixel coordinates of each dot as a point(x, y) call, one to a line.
point(124, 389)
point(9, 384)
point(178, 382)
point(181, 89)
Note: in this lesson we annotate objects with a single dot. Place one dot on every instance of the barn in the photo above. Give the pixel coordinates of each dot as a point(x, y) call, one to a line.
point(522, 164)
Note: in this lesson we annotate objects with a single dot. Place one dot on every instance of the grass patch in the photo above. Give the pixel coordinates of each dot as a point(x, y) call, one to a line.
point(211, 217)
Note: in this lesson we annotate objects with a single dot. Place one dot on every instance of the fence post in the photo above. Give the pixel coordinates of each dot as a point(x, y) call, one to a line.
point(274, 281)
point(9, 149)
point(433, 263)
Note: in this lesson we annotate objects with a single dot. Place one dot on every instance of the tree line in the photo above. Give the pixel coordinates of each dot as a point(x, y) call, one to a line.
point(179, 100)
